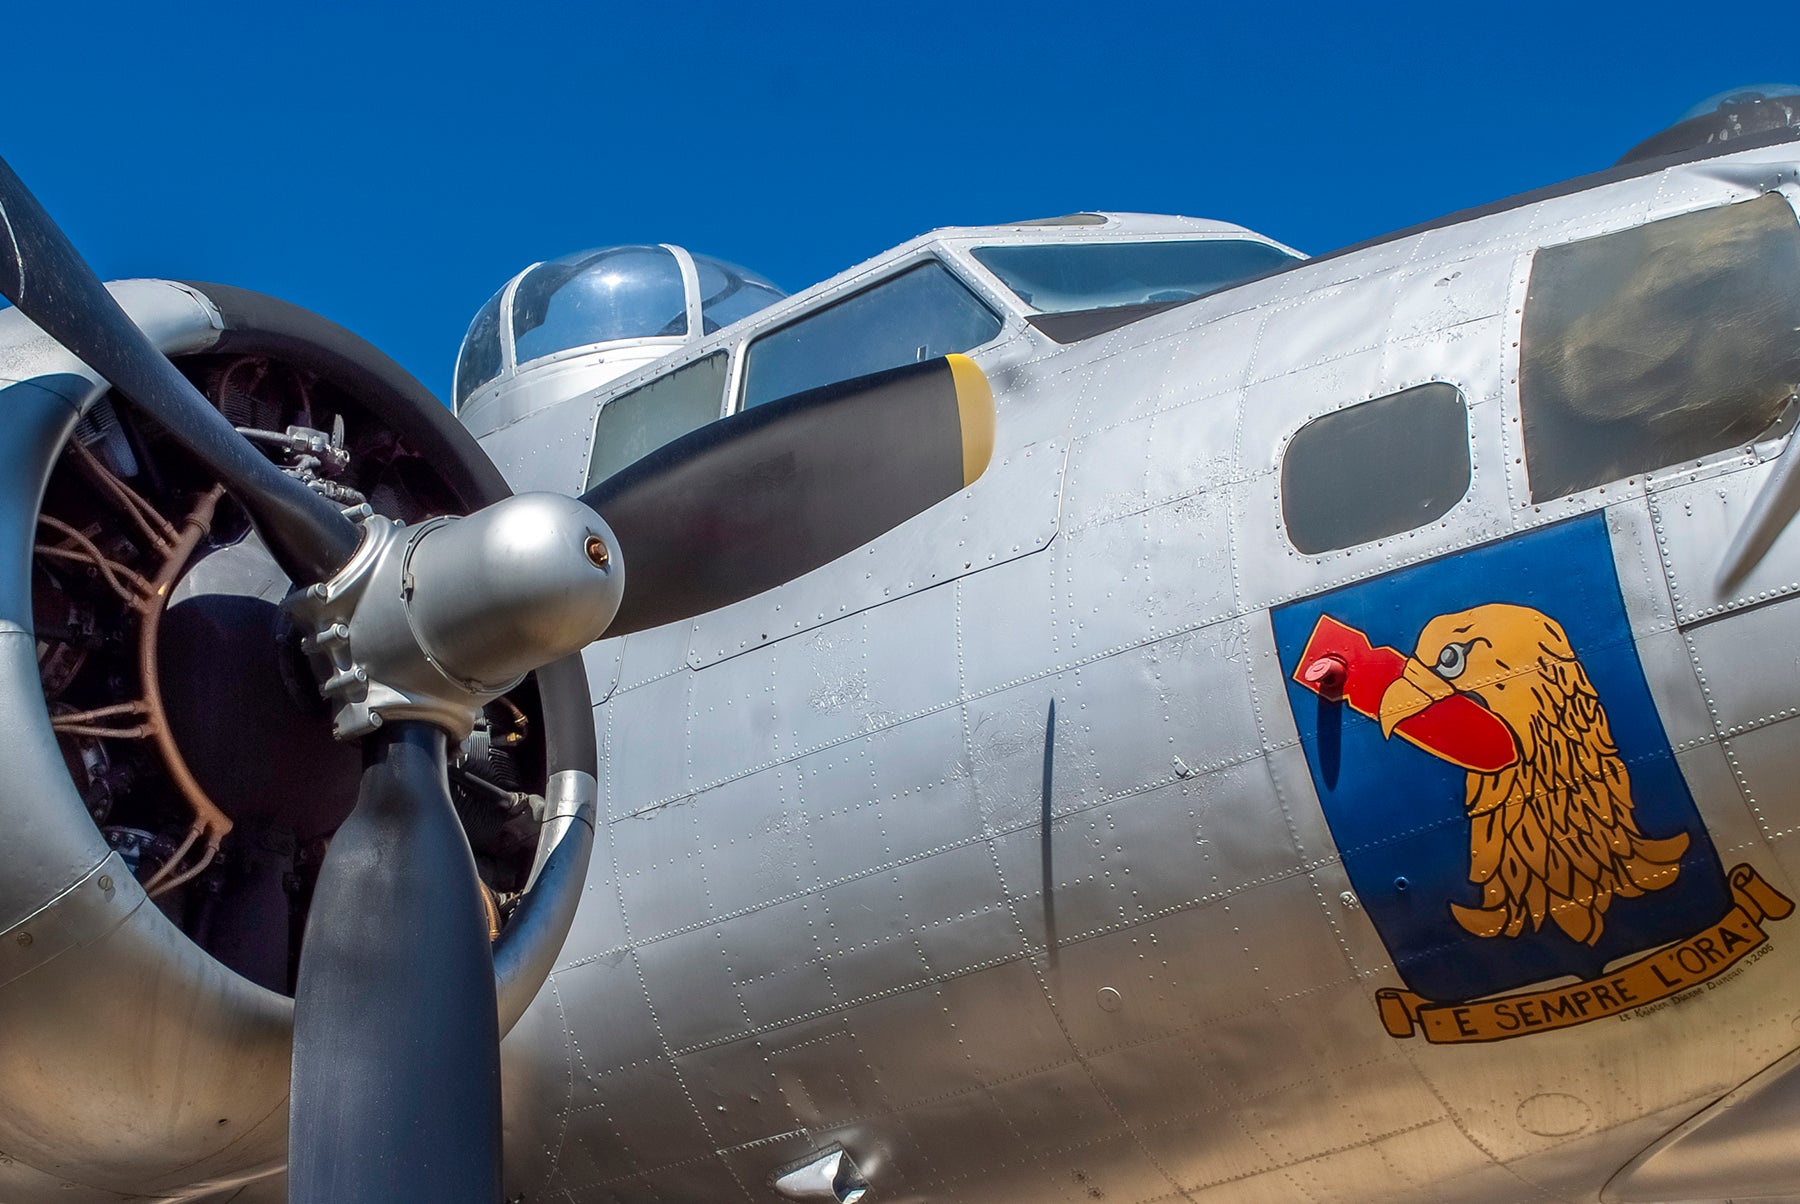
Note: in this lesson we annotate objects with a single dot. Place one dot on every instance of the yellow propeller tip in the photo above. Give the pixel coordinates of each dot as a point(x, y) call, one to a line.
point(975, 406)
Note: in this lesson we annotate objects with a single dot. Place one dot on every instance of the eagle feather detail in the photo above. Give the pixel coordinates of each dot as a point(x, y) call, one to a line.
point(1552, 836)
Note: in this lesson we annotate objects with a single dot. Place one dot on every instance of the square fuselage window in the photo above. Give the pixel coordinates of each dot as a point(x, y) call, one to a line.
point(1376, 468)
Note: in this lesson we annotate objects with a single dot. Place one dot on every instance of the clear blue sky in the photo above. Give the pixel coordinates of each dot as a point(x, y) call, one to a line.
point(390, 166)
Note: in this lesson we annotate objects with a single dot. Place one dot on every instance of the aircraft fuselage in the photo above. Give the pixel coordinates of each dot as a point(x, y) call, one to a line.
point(1018, 853)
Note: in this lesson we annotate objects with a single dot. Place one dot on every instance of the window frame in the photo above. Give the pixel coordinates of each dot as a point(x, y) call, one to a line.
point(1724, 459)
point(1469, 440)
point(1249, 236)
point(964, 246)
point(736, 339)
point(811, 306)
point(645, 382)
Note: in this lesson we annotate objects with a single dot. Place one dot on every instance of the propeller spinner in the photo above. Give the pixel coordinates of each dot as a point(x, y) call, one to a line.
point(396, 1066)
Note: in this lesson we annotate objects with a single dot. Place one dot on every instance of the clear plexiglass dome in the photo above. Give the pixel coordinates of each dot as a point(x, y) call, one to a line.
point(603, 298)
point(1770, 112)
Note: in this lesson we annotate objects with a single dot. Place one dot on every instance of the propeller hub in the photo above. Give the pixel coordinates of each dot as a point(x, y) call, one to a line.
point(431, 622)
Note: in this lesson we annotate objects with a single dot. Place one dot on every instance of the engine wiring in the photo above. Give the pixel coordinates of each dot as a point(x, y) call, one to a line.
point(86, 552)
point(148, 599)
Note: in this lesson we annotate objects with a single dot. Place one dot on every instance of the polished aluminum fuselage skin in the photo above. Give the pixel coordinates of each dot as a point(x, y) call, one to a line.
point(991, 852)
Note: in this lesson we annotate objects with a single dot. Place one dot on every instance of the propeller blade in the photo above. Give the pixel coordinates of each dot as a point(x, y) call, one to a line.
point(42, 274)
point(747, 503)
point(396, 1071)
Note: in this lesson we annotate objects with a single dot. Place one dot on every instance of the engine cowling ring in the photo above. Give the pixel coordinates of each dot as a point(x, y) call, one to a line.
point(169, 1071)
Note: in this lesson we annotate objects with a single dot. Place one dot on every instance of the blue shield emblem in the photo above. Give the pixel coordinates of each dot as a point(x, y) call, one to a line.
point(1533, 826)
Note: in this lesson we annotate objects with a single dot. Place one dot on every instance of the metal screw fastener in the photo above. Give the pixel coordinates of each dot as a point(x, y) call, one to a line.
point(24, 939)
point(106, 883)
point(598, 552)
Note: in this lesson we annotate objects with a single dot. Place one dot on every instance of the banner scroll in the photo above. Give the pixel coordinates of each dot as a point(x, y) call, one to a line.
point(1662, 973)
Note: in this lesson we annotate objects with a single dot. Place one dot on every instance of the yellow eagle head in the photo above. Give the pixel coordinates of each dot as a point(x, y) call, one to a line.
point(1551, 835)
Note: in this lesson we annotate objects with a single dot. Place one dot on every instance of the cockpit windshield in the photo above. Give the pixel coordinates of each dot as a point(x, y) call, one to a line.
point(1063, 277)
point(598, 297)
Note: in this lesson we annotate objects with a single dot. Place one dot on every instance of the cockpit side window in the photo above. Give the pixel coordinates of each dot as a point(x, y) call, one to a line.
point(1376, 469)
point(634, 424)
point(479, 360)
point(922, 313)
point(1666, 342)
point(598, 296)
point(1065, 277)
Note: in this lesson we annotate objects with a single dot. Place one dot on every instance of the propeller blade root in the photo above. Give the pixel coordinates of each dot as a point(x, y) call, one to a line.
point(396, 1068)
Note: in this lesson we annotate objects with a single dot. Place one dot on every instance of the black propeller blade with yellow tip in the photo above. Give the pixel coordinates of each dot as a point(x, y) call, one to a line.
point(745, 504)
point(396, 1088)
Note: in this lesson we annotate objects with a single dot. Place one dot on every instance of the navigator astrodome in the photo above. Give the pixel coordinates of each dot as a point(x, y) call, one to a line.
point(569, 325)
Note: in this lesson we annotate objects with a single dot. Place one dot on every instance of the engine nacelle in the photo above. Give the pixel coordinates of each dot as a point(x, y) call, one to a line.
point(145, 1009)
